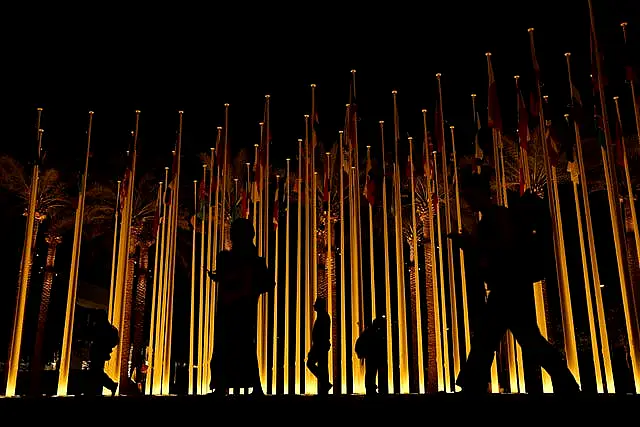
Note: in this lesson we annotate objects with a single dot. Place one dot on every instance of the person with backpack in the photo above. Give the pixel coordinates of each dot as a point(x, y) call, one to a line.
point(104, 337)
point(505, 250)
point(371, 346)
point(318, 357)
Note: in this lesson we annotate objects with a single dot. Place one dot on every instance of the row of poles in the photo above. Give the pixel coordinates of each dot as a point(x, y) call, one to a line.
point(452, 342)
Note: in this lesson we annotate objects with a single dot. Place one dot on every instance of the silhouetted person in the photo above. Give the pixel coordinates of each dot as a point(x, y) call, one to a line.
point(318, 357)
point(500, 248)
point(372, 347)
point(104, 337)
point(241, 277)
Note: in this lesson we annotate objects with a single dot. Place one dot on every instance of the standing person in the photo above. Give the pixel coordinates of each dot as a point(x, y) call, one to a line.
point(372, 347)
point(502, 248)
point(318, 357)
point(104, 337)
point(241, 277)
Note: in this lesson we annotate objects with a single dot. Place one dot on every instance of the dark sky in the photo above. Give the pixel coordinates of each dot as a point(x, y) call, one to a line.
point(160, 60)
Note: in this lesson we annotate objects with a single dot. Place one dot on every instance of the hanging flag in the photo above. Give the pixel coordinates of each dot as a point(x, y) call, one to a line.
point(494, 120)
point(524, 135)
point(439, 124)
point(479, 154)
point(202, 200)
point(276, 207)
point(124, 188)
point(619, 145)
point(553, 143)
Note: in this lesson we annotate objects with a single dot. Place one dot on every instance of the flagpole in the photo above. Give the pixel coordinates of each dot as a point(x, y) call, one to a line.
point(208, 282)
point(343, 310)
point(150, 353)
point(169, 336)
point(307, 270)
point(401, 316)
point(274, 361)
point(329, 259)
point(202, 301)
point(156, 369)
point(431, 275)
point(265, 228)
point(371, 251)
point(192, 305)
point(455, 337)
point(287, 298)
point(561, 261)
point(625, 161)
point(223, 228)
point(65, 357)
point(416, 272)
point(25, 273)
point(443, 301)
point(582, 178)
point(311, 380)
point(216, 221)
point(114, 251)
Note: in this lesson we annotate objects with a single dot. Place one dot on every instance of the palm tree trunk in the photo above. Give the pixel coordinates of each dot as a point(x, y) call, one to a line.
point(139, 311)
point(125, 333)
point(45, 298)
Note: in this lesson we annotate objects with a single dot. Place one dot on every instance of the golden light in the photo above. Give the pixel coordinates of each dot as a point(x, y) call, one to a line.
point(568, 54)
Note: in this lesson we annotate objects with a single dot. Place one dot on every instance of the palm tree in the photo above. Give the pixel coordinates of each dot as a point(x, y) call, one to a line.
point(51, 195)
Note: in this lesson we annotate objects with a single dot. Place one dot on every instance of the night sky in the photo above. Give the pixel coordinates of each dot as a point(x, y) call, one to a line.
point(161, 60)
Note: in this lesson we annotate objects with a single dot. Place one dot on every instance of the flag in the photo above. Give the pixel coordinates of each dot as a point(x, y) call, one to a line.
point(619, 145)
point(553, 143)
point(124, 189)
point(479, 154)
point(439, 124)
point(494, 120)
point(523, 123)
point(576, 112)
point(202, 200)
point(276, 207)
point(370, 186)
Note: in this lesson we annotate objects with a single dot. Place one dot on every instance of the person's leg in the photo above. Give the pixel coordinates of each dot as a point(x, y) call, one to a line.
point(540, 351)
point(475, 374)
point(312, 362)
point(324, 385)
point(371, 369)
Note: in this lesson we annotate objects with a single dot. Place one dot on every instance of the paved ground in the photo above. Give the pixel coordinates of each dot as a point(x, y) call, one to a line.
point(396, 410)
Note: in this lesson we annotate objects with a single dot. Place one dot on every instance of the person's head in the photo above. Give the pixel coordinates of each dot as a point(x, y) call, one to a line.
point(379, 322)
point(101, 317)
point(320, 304)
point(475, 189)
point(242, 232)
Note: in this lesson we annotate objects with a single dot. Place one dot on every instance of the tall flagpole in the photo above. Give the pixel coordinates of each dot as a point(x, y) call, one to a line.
point(274, 350)
point(329, 259)
point(343, 309)
point(306, 302)
point(416, 272)
point(65, 357)
point(265, 174)
point(401, 316)
point(157, 343)
point(561, 261)
point(443, 301)
point(313, 284)
point(114, 250)
point(287, 292)
point(602, 320)
point(149, 378)
point(371, 251)
point(627, 176)
point(632, 87)
point(208, 282)
point(192, 306)
point(225, 176)
point(430, 259)
point(463, 273)
point(455, 337)
point(25, 272)
point(201, 294)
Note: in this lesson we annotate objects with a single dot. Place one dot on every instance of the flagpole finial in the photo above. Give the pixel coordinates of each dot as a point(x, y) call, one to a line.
point(261, 123)
point(315, 173)
point(424, 110)
point(277, 176)
point(381, 122)
point(353, 167)
point(195, 181)
point(256, 145)
point(568, 54)
point(328, 153)
point(165, 168)
point(368, 147)
point(288, 159)
point(410, 138)
point(438, 75)
point(204, 166)
point(159, 183)
point(615, 98)
point(487, 54)
point(394, 92)
point(530, 30)
point(624, 24)
point(39, 108)
point(348, 105)
point(248, 163)
point(299, 139)
point(90, 113)
point(546, 98)
point(452, 127)
point(138, 111)
point(219, 128)
point(340, 132)
point(119, 182)
point(212, 149)
point(267, 96)
point(517, 77)
point(473, 95)
point(235, 179)
point(313, 85)
point(226, 104)
point(306, 116)
point(353, 71)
